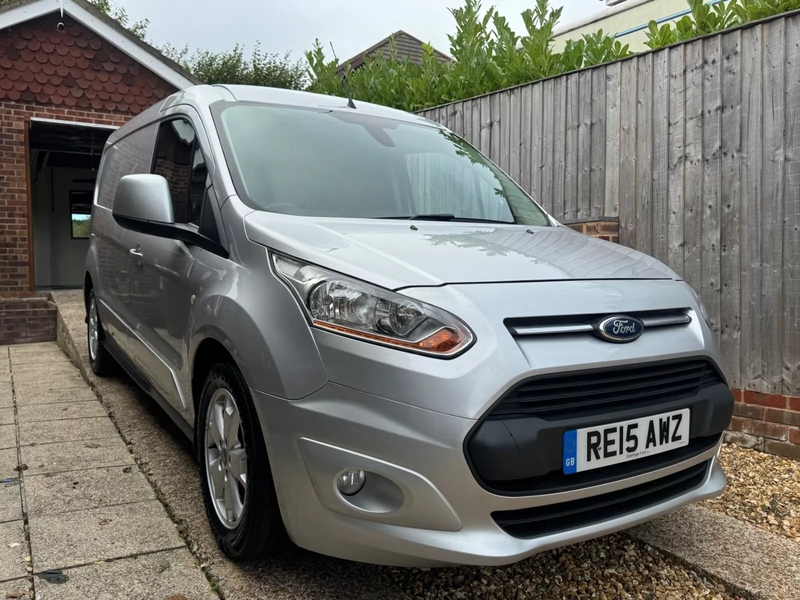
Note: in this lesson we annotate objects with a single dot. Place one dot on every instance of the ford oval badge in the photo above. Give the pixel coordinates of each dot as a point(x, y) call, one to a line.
point(620, 329)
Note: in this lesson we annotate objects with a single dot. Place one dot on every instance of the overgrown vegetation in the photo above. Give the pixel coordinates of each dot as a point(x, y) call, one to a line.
point(711, 18)
point(488, 55)
point(234, 67)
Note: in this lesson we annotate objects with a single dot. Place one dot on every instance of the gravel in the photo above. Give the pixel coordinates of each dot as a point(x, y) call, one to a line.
point(763, 489)
point(614, 567)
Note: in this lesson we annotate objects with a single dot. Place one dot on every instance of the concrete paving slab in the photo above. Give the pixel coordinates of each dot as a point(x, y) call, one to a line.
point(13, 550)
point(83, 537)
point(8, 436)
point(38, 372)
point(6, 416)
point(16, 588)
point(73, 456)
point(762, 564)
point(6, 396)
point(170, 574)
point(10, 502)
point(44, 385)
point(5, 377)
point(45, 432)
point(83, 490)
point(8, 462)
point(40, 356)
point(28, 347)
point(55, 356)
point(80, 393)
point(57, 412)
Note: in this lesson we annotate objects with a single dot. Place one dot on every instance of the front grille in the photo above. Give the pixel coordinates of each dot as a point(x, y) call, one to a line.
point(589, 392)
point(553, 518)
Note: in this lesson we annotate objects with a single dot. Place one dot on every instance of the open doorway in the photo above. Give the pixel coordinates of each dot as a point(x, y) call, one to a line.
point(64, 158)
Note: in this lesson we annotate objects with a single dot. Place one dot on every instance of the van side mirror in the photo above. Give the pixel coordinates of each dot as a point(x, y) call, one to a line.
point(143, 198)
point(143, 203)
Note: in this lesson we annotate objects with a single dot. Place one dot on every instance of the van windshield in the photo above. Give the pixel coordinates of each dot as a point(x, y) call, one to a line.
point(335, 163)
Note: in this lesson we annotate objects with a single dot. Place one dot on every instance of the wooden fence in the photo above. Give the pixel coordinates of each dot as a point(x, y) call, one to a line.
point(696, 149)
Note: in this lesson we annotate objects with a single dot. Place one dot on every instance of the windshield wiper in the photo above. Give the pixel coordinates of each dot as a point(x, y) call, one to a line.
point(445, 217)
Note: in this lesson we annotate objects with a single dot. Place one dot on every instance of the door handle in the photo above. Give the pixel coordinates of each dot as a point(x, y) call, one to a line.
point(135, 253)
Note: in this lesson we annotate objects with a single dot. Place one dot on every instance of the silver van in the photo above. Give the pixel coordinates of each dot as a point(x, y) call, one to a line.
point(381, 345)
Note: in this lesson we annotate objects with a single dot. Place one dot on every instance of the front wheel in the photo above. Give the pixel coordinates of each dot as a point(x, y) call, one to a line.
point(99, 359)
point(238, 491)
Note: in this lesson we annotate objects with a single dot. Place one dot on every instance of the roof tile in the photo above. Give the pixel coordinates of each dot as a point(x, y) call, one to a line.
point(74, 67)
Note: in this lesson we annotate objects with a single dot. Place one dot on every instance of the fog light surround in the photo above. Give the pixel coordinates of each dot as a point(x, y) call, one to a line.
point(350, 482)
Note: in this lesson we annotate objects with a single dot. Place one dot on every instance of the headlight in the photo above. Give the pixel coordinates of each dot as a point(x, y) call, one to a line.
point(702, 306)
point(357, 309)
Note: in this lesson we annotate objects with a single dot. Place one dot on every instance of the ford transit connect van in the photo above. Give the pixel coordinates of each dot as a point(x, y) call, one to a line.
point(381, 345)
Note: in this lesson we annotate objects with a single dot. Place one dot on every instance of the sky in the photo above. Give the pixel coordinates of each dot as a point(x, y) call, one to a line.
point(292, 25)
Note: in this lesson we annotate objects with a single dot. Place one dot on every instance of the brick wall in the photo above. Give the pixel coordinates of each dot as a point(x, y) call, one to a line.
point(767, 422)
point(14, 258)
point(605, 228)
point(25, 320)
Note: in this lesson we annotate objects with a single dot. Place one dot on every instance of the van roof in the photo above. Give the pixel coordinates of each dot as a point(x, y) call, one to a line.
point(206, 95)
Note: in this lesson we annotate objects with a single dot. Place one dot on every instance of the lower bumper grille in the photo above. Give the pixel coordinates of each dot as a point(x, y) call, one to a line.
point(516, 450)
point(544, 520)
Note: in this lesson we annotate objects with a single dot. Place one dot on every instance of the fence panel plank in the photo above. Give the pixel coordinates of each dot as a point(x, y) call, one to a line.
point(525, 139)
point(486, 126)
point(536, 140)
point(613, 88)
point(751, 174)
point(571, 150)
point(514, 128)
point(559, 145)
point(627, 153)
point(504, 133)
point(772, 205)
point(597, 136)
point(677, 156)
point(693, 190)
point(547, 169)
point(644, 156)
point(660, 167)
point(584, 191)
point(791, 227)
point(475, 129)
point(494, 128)
point(710, 211)
point(731, 200)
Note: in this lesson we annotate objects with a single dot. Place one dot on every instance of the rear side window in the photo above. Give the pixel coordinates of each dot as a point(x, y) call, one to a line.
point(179, 160)
point(129, 156)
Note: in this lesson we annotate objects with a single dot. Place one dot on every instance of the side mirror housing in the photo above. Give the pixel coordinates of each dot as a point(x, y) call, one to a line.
point(143, 198)
point(143, 203)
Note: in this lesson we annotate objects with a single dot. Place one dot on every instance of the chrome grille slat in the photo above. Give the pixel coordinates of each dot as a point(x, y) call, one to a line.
point(576, 324)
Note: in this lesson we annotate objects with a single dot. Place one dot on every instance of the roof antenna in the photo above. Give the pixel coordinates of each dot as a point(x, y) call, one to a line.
point(350, 102)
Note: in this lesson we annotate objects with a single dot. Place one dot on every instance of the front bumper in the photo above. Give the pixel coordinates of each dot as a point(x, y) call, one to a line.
point(427, 508)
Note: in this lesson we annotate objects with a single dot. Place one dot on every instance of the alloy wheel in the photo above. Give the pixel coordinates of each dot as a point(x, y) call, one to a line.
point(226, 458)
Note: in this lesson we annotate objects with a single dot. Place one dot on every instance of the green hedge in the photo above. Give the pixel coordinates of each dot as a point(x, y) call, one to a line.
point(488, 56)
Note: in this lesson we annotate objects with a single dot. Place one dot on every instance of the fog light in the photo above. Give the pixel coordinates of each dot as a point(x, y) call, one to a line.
point(351, 482)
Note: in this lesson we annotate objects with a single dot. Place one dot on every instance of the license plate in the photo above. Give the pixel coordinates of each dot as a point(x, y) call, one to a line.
point(604, 445)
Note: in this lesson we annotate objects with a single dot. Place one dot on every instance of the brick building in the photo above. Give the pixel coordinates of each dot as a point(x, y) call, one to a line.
point(67, 80)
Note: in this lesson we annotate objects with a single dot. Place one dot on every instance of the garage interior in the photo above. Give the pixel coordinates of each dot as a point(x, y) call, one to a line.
point(64, 159)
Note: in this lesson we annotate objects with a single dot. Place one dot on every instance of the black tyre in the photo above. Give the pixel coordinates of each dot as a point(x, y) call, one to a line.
point(238, 491)
point(100, 360)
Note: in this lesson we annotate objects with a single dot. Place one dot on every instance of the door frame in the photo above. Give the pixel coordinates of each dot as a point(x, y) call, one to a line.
point(27, 123)
point(29, 202)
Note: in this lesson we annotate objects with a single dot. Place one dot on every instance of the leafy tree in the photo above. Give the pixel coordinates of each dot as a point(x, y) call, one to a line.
point(488, 55)
point(119, 14)
point(232, 66)
point(705, 19)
